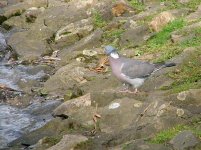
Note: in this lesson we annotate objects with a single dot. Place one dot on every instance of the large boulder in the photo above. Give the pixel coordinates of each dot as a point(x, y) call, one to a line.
point(184, 140)
point(73, 32)
point(91, 41)
point(66, 77)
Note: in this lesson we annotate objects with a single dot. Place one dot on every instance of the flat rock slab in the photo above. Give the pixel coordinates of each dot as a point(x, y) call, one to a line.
point(184, 140)
point(68, 142)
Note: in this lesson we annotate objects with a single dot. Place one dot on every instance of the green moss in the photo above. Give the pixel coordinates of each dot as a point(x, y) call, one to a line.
point(84, 145)
point(97, 19)
point(52, 140)
point(166, 135)
point(113, 34)
point(112, 37)
point(137, 5)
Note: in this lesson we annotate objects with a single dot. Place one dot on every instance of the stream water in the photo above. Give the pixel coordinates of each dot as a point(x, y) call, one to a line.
point(14, 122)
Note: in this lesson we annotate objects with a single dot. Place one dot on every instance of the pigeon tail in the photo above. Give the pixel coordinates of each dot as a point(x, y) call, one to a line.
point(164, 65)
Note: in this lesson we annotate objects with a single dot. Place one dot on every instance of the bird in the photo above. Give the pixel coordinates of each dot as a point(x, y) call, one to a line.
point(131, 72)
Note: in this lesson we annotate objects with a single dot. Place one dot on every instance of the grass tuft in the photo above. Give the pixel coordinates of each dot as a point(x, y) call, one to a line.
point(163, 36)
point(166, 135)
point(97, 19)
point(138, 6)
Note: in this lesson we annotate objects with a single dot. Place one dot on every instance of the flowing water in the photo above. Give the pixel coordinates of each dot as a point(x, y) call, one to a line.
point(14, 122)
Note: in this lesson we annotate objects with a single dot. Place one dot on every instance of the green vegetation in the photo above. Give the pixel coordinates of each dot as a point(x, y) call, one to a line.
point(163, 36)
point(137, 5)
point(160, 42)
point(52, 140)
point(189, 74)
point(112, 37)
point(84, 145)
point(166, 135)
point(98, 20)
point(173, 4)
point(113, 34)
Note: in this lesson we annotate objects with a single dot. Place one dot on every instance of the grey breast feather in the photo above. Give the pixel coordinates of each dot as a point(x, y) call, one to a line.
point(136, 69)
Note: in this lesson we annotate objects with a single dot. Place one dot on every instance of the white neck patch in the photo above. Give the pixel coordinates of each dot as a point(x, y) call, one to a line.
point(114, 55)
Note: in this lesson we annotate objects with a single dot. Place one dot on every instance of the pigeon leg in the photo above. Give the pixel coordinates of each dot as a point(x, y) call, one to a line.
point(124, 88)
point(134, 92)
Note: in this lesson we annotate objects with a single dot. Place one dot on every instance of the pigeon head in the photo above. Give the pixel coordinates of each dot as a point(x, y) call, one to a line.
point(109, 49)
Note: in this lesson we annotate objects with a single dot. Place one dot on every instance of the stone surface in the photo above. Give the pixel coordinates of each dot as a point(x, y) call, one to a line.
point(142, 145)
point(68, 142)
point(73, 32)
point(135, 37)
point(184, 140)
point(91, 41)
point(71, 106)
point(66, 77)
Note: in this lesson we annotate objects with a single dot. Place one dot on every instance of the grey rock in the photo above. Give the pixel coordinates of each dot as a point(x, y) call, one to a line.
point(135, 37)
point(68, 142)
point(53, 128)
point(65, 78)
point(184, 140)
point(91, 41)
point(73, 32)
point(71, 106)
point(19, 8)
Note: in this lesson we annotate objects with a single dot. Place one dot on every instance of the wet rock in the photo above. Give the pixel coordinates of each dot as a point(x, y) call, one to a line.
point(71, 106)
point(139, 36)
point(184, 140)
point(68, 142)
point(56, 127)
point(161, 20)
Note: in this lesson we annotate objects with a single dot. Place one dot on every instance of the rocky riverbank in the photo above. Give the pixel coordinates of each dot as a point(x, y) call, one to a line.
point(60, 42)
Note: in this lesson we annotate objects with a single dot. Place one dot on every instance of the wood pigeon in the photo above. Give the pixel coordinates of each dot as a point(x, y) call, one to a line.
point(130, 71)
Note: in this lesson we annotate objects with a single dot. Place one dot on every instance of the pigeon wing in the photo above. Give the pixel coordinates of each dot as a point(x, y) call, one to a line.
point(136, 69)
